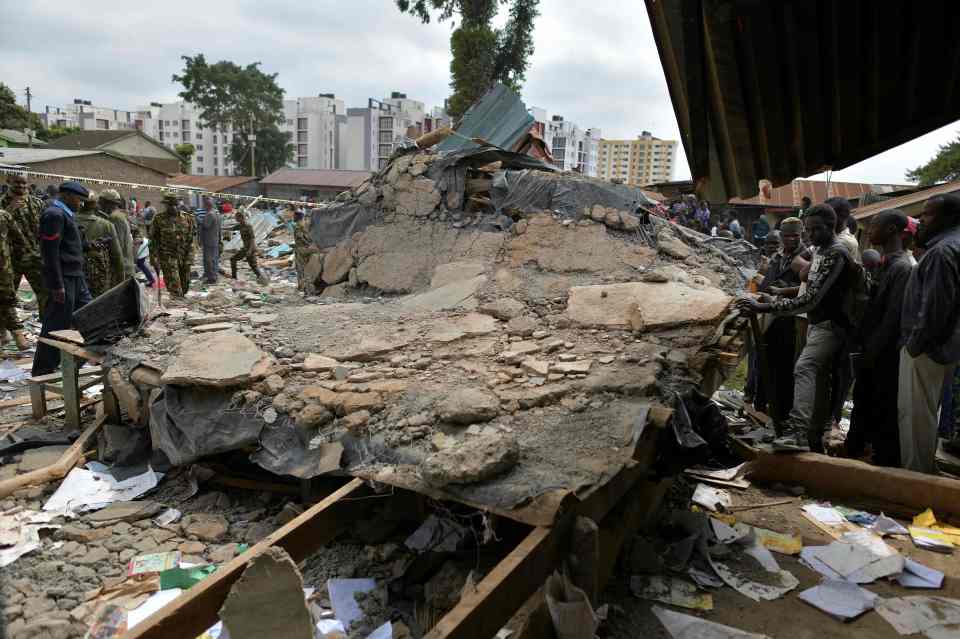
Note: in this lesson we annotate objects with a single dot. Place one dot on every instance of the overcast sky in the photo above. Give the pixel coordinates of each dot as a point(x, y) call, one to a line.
point(595, 62)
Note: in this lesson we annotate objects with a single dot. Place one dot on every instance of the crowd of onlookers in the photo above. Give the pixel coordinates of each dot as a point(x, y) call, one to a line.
point(878, 317)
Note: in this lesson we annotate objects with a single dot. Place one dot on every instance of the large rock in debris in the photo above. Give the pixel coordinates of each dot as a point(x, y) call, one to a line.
point(468, 406)
point(504, 308)
point(470, 325)
point(417, 197)
point(221, 359)
point(645, 305)
point(337, 263)
point(453, 295)
point(267, 600)
point(477, 459)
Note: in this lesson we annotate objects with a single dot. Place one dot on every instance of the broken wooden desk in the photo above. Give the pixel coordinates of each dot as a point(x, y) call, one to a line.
point(67, 382)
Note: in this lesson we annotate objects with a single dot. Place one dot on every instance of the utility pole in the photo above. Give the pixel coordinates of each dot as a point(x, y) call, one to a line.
point(29, 117)
point(253, 149)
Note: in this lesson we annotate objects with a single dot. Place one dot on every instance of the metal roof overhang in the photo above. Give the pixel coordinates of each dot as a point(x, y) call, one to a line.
point(790, 88)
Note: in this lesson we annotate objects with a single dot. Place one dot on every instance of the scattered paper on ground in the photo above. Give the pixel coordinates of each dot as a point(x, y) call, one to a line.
point(931, 539)
point(714, 499)
point(84, 489)
point(859, 558)
point(840, 599)
point(779, 542)
point(933, 616)
point(753, 572)
point(916, 575)
point(670, 590)
point(681, 626)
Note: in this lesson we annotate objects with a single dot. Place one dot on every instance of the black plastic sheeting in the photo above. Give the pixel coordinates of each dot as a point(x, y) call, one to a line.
point(283, 452)
point(333, 224)
point(188, 423)
point(567, 194)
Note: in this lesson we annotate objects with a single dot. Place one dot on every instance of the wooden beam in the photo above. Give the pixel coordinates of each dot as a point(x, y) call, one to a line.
point(849, 478)
point(194, 611)
point(507, 586)
point(73, 349)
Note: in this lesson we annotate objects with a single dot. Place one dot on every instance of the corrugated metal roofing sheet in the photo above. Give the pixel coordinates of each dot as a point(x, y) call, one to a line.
point(213, 183)
point(906, 200)
point(317, 177)
point(777, 90)
point(500, 117)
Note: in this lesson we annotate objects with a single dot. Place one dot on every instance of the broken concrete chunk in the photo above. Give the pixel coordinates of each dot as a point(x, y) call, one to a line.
point(645, 305)
point(470, 325)
point(449, 296)
point(475, 460)
point(204, 526)
point(468, 406)
point(670, 245)
point(417, 197)
point(505, 308)
point(454, 272)
point(319, 363)
point(536, 366)
point(337, 263)
point(212, 328)
point(222, 359)
point(519, 351)
point(577, 367)
point(268, 601)
point(522, 326)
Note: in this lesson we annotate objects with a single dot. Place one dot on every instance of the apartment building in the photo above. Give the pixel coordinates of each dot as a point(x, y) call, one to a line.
point(645, 160)
point(88, 117)
point(314, 125)
point(573, 148)
point(373, 132)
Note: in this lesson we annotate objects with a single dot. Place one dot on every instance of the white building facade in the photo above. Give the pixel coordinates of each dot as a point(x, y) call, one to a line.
point(573, 148)
point(88, 117)
point(314, 126)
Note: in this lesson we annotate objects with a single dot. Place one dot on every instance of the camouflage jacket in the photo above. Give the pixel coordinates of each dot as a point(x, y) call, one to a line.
point(8, 291)
point(246, 234)
point(25, 216)
point(102, 256)
point(302, 240)
point(171, 235)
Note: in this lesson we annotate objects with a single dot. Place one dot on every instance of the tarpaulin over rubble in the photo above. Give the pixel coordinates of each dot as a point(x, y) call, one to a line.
point(567, 194)
point(262, 222)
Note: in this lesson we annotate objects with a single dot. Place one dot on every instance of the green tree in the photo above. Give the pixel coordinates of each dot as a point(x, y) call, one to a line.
point(185, 151)
point(52, 133)
point(13, 116)
point(244, 97)
point(272, 152)
point(481, 54)
point(944, 167)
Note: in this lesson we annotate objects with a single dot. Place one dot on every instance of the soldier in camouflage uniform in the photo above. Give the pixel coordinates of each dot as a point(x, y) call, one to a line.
point(102, 256)
point(171, 245)
point(9, 233)
point(25, 211)
point(249, 250)
point(303, 250)
point(109, 203)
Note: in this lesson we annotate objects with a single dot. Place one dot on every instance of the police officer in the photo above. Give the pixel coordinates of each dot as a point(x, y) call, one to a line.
point(102, 257)
point(171, 245)
point(24, 210)
point(110, 203)
point(249, 249)
point(8, 286)
point(62, 251)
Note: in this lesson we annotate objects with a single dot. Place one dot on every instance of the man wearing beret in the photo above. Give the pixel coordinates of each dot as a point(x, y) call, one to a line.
point(62, 250)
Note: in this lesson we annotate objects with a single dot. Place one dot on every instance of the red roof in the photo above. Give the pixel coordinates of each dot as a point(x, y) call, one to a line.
point(790, 195)
point(317, 177)
point(214, 183)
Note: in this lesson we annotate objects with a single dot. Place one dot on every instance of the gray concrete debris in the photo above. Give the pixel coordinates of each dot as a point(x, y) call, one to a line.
point(475, 460)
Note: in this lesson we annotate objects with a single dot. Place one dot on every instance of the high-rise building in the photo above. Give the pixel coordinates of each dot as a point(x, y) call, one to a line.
point(373, 132)
point(646, 160)
point(573, 148)
point(84, 115)
point(314, 126)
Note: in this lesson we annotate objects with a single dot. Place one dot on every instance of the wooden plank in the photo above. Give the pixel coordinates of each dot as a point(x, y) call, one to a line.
point(16, 401)
point(507, 586)
point(71, 390)
point(73, 349)
point(38, 399)
point(68, 335)
point(193, 612)
point(849, 478)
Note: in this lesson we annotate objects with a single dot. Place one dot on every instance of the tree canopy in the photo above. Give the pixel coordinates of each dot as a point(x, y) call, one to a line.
point(245, 97)
point(13, 116)
point(943, 167)
point(481, 54)
point(185, 151)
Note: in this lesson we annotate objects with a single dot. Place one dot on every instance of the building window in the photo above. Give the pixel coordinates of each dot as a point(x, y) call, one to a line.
point(176, 135)
point(214, 139)
point(386, 150)
point(216, 171)
point(199, 147)
point(199, 158)
point(185, 124)
point(301, 136)
point(302, 163)
point(289, 122)
point(199, 170)
point(301, 149)
point(385, 136)
point(215, 149)
point(301, 123)
point(198, 136)
point(386, 123)
point(103, 125)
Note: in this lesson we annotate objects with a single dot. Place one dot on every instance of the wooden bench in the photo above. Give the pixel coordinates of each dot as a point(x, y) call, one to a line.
point(66, 383)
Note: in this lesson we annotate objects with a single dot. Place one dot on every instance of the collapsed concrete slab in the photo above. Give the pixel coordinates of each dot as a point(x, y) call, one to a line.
point(221, 360)
point(645, 306)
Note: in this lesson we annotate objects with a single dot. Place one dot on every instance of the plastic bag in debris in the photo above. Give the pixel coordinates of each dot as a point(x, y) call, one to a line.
point(697, 429)
point(568, 194)
point(570, 610)
point(188, 423)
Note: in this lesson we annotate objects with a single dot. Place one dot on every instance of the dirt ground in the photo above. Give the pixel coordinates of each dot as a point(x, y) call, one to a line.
point(788, 617)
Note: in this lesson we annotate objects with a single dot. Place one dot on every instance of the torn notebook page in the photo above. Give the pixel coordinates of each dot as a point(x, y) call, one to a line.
point(840, 599)
point(681, 626)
